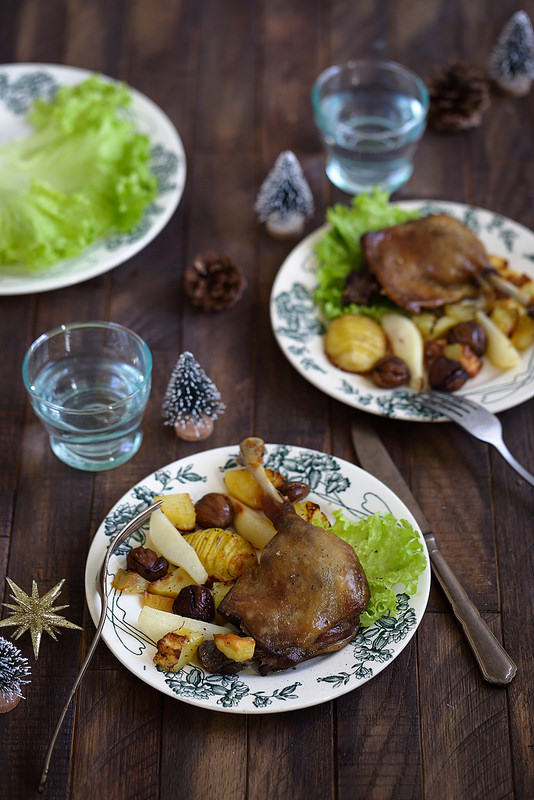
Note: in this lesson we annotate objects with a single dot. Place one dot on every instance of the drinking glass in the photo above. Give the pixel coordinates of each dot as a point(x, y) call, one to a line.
point(371, 115)
point(89, 383)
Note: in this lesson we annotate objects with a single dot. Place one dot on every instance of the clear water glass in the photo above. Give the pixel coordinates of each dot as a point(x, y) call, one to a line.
point(89, 383)
point(371, 116)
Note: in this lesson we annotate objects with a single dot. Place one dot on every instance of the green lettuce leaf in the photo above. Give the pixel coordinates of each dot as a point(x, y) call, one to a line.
point(339, 250)
point(390, 553)
point(83, 172)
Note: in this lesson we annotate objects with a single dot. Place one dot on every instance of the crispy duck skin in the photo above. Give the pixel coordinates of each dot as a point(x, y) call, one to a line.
point(428, 262)
point(305, 596)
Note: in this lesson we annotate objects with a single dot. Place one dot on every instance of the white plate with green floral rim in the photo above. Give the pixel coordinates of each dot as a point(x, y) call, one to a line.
point(335, 484)
point(299, 326)
point(20, 85)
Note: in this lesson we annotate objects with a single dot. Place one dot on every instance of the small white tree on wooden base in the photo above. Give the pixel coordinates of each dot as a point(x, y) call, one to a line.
point(14, 671)
point(511, 63)
point(192, 401)
point(285, 201)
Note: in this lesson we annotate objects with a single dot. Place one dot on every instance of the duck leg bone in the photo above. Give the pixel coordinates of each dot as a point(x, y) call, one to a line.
point(252, 450)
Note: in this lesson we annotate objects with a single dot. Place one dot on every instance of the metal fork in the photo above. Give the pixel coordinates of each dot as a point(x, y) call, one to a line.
point(120, 537)
point(476, 420)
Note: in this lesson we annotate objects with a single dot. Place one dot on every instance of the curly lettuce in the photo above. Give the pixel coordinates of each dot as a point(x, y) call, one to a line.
point(83, 172)
point(339, 250)
point(390, 552)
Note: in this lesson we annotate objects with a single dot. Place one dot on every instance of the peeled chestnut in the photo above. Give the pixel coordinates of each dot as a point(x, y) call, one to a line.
point(214, 510)
point(195, 602)
point(446, 375)
point(390, 371)
point(294, 491)
point(147, 563)
point(470, 333)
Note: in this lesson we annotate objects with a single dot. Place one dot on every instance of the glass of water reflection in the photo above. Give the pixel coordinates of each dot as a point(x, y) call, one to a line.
point(89, 383)
point(371, 115)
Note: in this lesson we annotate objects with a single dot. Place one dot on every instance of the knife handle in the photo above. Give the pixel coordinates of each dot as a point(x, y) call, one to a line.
point(494, 662)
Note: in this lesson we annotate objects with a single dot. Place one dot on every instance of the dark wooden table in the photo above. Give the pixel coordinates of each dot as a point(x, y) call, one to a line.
point(234, 76)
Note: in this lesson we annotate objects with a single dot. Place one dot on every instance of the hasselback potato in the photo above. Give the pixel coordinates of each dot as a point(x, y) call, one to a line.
point(224, 554)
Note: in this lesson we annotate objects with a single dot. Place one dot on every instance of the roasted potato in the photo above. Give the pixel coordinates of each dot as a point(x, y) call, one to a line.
point(310, 511)
point(179, 509)
point(176, 649)
point(158, 601)
point(129, 582)
point(523, 336)
point(242, 485)
point(224, 554)
point(172, 584)
point(354, 343)
point(238, 648)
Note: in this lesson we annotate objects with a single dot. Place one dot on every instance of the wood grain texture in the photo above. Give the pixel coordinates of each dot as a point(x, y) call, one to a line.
point(235, 78)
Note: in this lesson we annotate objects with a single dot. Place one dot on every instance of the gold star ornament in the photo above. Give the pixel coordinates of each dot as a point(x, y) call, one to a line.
point(36, 613)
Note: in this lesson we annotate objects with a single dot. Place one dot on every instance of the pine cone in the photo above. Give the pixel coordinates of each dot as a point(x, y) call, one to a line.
point(214, 282)
point(459, 95)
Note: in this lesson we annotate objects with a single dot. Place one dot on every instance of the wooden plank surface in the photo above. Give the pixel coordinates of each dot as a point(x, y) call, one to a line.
point(235, 78)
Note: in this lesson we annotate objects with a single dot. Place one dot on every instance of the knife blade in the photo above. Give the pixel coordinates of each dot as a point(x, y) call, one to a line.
point(494, 662)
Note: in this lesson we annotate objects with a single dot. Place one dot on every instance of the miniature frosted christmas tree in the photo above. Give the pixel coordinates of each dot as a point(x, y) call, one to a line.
point(511, 63)
point(14, 672)
point(192, 401)
point(285, 201)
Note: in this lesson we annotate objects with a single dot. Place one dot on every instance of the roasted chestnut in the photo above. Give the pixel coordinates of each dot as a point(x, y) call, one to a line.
point(214, 510)
point(390, 371)
point(470, 333)
point(147, 563)
point(446, 375)
point(294, 491)
point(195, 602)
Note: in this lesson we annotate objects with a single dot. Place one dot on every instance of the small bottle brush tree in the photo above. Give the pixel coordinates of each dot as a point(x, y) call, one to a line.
point(511, 63)
point(285, 201)
point(192, 401)
point(14, 671)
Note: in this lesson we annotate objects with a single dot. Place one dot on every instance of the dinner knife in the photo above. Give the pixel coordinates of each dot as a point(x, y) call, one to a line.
point(495, 664)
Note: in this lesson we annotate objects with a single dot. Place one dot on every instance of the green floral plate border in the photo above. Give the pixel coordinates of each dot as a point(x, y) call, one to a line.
point(299, 326)
point(335, 484)
point(20, 85)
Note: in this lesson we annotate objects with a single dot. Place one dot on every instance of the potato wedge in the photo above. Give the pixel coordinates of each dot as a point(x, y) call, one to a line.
point(407, 343)
point(155, 623)
point(179, 509)
point(170, 543)
point(176, 649)
point(242, 485)
point(500, 349)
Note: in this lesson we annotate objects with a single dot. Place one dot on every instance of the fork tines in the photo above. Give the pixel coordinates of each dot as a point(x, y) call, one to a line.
point(450, 405)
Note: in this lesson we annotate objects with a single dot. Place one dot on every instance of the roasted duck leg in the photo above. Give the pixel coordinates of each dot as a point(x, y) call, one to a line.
point(429, 262)
point(305, 596)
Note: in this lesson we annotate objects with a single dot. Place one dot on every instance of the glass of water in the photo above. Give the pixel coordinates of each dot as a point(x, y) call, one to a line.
point(370, 115)
point(89, 384)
